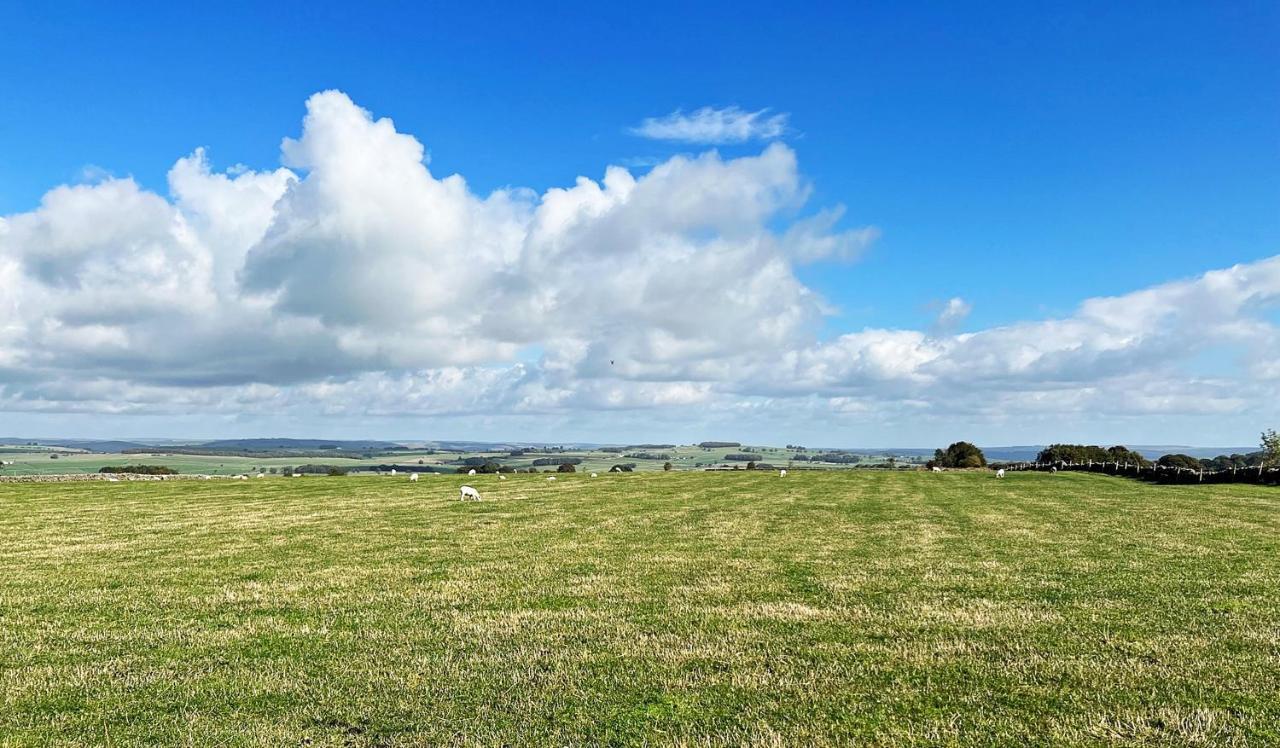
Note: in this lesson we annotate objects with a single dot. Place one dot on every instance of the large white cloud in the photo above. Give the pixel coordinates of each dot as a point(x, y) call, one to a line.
point(353, 281)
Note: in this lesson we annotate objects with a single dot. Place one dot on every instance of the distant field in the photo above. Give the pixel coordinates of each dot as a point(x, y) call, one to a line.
point(842, 607)
point(39, 461)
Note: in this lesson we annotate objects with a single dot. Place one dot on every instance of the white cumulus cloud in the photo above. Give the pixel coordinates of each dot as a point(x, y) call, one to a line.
point(352, 281)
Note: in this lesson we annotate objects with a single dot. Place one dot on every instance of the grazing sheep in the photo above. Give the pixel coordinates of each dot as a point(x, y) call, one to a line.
point(782, 473)
point(472, 471)
point(467, 492)
point(551, 478)
point(413, 477)
point(593, 475)
point(1000, 473)
point(393, 471)
point(260, 475)
point(502, 477)
point(937, 469)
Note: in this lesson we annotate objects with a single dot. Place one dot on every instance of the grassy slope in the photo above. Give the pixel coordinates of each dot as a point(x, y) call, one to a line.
point(899, 609)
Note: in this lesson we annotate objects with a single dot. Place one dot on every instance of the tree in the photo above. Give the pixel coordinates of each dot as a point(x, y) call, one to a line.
point(1180, 461)
point(1270, 448)
point(566, 467)
point(751, 466)
point(666, 467)
point(960, 455)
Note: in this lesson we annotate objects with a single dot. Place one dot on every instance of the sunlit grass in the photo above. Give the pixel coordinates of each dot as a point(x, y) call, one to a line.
point(685, 608)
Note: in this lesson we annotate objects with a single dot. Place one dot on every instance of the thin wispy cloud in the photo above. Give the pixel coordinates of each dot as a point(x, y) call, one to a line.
point(712, 126)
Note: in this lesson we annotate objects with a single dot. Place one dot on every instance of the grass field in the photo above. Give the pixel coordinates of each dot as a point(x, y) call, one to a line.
point(37, 461)
point(689, 608)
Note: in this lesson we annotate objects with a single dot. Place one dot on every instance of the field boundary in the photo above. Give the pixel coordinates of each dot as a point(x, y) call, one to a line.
point(109, 477)
point(1263, 476)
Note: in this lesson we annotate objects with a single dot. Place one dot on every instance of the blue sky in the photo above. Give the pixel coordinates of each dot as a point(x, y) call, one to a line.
point(1022, 158)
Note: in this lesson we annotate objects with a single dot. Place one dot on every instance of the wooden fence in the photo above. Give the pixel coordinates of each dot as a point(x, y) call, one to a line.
point(1268, 476)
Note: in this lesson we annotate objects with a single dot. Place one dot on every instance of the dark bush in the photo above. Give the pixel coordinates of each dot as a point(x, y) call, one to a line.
point(1180, 461)
point(139, 469)
point(959, 455)
point(1090, 453)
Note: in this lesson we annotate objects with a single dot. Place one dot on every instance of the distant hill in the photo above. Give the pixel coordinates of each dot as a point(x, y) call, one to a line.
point(89, 445)
point(275, 445)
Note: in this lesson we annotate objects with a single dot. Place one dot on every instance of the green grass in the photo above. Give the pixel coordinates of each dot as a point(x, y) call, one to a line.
point(849, 607)
point(37, 460)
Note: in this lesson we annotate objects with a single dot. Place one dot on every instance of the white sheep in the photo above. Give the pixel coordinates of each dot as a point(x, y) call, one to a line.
point(502, 477)
point(472, 471)
point(467, 492)
point(393, 471)
point(593, 475)
point(413, 477)
point(1000, 473)
point(782, 473)
point(551, 478)
point(937, 469)
point(260, 475)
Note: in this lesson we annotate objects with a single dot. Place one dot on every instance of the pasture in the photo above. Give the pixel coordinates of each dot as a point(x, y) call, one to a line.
point(690, 608)
point(40, 460)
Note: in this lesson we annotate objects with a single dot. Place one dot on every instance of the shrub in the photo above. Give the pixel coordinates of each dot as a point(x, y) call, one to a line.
point(622, 468)
point(959, 455)
point(566, 467)
point(1180, 461)
point(1090, 453)
point(544, 461)
point(839, 458)
point(666, 467)
point(139, 469)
